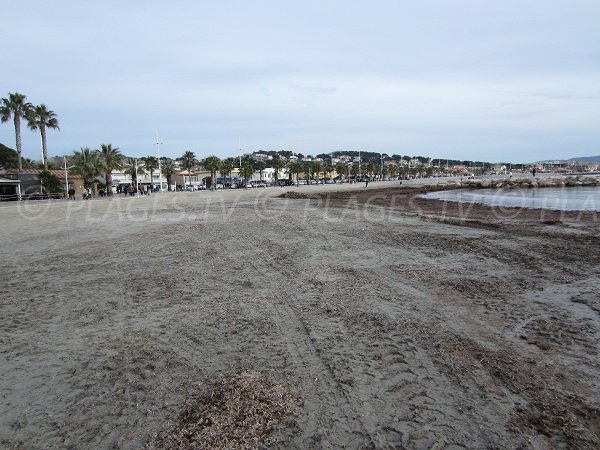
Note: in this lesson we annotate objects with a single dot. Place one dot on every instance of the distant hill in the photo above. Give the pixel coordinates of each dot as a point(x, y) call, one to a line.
point(580, 159)
point(587, 159)
point(8, 156)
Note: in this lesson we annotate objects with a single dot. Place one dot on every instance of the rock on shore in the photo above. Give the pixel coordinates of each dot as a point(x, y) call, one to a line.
point(530, 182)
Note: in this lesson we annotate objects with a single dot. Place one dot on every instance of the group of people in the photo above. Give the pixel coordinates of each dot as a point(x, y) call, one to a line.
point(129, 189)
point(86, 194)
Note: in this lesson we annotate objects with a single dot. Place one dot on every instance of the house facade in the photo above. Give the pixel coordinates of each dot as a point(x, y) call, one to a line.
point(30, 180)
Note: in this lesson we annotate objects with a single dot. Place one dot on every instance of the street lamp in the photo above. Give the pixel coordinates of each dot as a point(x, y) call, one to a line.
point(159, 166)
point(66, 174)
point(137, 183)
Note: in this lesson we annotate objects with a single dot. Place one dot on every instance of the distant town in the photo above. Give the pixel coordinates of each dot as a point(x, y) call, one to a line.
point(86, 169)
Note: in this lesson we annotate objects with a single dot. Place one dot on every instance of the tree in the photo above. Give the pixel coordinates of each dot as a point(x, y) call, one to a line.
point(188, 161)
point(420, 170)
point(212, 163)
point(87, 163)
point(306, 167)
point(41, 118)
point(150, 165)
point(277, 164)
point(316, 167)
point(112, 159)
point(370, 169)
point(402, 172)
point(226, 167)
point(246, 171)
point(16, 107)
point(327, 170)
point(260, 166)
point(342, 169)
point(28, 163)
point(168, 170)
point(296, 167)
point(132, 172)
point(51, 182)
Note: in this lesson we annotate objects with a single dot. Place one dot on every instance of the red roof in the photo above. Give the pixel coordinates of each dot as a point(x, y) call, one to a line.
point(60, 173)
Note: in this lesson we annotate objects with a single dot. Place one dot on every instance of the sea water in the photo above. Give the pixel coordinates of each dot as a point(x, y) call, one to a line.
point(565, 198)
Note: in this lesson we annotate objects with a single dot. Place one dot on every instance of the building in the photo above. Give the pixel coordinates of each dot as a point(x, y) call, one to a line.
point(191, 178)
point(120, 178)
point(9, 189)
point(30, 180)
point(260, 157)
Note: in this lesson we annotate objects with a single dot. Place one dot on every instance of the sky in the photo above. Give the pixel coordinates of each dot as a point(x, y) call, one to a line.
point(484, 80)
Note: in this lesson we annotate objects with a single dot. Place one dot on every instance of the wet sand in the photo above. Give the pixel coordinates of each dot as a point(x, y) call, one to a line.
point(392, 321)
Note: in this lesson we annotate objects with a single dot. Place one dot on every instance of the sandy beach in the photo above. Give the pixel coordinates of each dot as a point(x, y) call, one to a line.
point(361, 318)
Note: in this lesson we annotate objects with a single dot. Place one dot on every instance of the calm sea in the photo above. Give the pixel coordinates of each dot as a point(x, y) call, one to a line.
point(565, 199)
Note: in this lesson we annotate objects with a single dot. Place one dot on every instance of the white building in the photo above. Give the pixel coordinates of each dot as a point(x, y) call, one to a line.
point(261, 157)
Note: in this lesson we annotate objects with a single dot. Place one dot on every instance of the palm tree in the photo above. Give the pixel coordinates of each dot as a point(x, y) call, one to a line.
point(41, 118)
point(213, 164)
point(316, 167)
point(246, 171)
point(188, 162)
point(296, 167)
point(420, 170)
point(168, 170)
point(327, 170)
point(112, 159)
point(402, 171)
point(16, 107)
point(132, 172)
point(307, 166)
point(342, 169)
point(87, 163)
point(260, 166)
point(370, 169)
point(150, 165)
point(277, 164)
point(226, 167)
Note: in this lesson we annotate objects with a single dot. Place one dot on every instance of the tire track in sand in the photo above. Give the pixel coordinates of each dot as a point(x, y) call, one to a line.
point(327, 393)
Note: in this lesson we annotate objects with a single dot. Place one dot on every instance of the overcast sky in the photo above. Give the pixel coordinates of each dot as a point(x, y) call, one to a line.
point(494, 80)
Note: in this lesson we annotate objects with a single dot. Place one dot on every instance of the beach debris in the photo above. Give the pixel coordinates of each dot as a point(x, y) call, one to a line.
point(233, 411)
point(294, 194)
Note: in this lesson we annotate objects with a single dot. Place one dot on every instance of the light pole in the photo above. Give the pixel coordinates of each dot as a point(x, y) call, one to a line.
point(159, 166)
point(66, 175)
point(137, 183)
